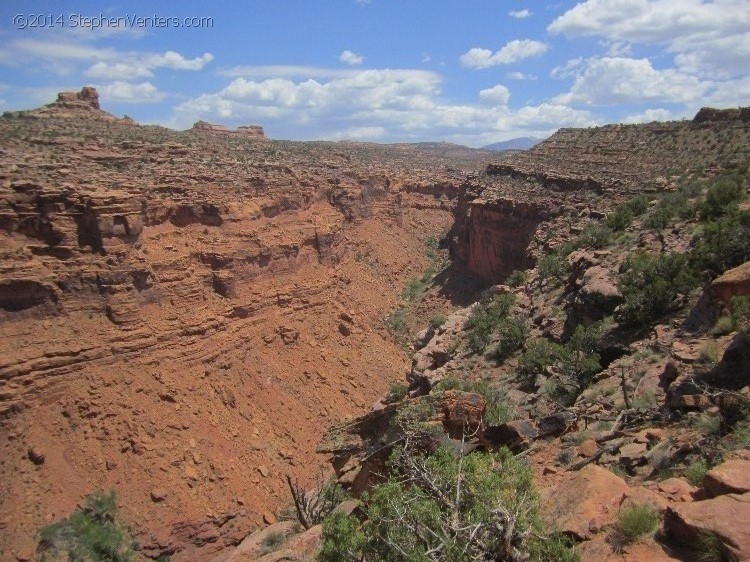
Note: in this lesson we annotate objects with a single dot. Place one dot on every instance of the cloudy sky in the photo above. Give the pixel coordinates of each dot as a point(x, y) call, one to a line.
point(466, 71)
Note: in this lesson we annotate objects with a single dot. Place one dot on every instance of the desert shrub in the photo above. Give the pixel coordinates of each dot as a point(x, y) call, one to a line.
point(695, 472)
point(721, 197)
point(430, 518)
point(396, 322)
point(723, 244)
point(552, 266)
point(595, 235)
point(538, 355)
point(342, 539)
point(517, 278)
point(513, 333)
point(650, 284)
point(578, 358)
point(413, 289)
point(397, 391)
point(670, 206)
point(638, 204)
point(724, 325)
point(637, 521)
point(272, 542)
point(92, 532)
point(620, 218)
point(437, 320)
point(485, 318)
point(740, 312)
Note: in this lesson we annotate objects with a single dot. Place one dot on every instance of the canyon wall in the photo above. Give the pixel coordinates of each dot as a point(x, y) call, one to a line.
point(182, 315)
point(539, 197)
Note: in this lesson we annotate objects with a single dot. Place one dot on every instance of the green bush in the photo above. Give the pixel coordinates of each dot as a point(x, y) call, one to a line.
point(579, 360)
point(670, 206)
point(595, 235)
point(272, 542)
point(722, 196)
point(650, 284)
point(723, 244)
point(517, 278)
point(552, 266)
point(396, 322)
point(538, 355)
point(342, 539)
point(740, 312)
point(437, 320)
point(513, 333)
point(90, 533)
point(619, 219)
point(636, 521)
point(696, 471)
point(413, 289)
point(397, 391)
point(638, 204)
point(485, 318)
point(431, 518)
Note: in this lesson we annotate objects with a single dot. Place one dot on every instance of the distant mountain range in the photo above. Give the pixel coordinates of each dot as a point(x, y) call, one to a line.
point(521, 143)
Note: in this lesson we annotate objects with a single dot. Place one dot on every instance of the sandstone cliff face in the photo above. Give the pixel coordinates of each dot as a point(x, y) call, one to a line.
point(170, 315)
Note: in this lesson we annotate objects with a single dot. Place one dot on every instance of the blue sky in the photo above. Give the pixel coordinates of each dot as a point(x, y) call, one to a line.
point(472, 72)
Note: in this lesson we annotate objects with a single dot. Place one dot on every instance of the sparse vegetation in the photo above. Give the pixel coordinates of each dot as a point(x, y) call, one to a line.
point(552, 267)
point(517, 278)
point(431, 518)
point(651, 285)
point(636, 521)
point(437, 320)
point(272, 542)
point(397, 391)
point(695, 472)
point(92, 532)
point(485, 318)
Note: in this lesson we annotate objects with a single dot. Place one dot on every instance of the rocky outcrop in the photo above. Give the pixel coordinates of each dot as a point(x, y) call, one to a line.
point(244, 131)
point(584, 502)
point(732, 283)
point(72, 105)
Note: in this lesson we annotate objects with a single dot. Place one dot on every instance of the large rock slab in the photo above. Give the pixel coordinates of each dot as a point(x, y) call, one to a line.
point(730, 477)
point(732, 283)
point(727, 517)
point(584, 501)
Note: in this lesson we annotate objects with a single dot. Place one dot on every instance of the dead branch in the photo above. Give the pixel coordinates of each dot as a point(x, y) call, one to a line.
point(596, 456)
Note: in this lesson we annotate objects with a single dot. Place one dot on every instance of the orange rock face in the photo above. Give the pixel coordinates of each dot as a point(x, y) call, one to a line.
point(171, 308)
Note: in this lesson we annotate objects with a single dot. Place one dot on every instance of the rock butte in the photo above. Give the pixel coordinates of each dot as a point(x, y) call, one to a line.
point(184, 314)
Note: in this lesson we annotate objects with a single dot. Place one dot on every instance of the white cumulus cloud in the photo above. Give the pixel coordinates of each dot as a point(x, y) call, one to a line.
point(707, 36)
point(128, 92)
point(351, 58)
point(497, 95)
point(616, 80)
point(513, 51)
point(520, 14)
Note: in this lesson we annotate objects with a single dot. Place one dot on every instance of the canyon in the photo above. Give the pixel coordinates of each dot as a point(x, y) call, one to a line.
point(184, 314)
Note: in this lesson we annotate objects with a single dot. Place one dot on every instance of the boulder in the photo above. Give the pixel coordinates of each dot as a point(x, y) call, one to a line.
point(516, 435)
point(584, 501)
point(732, 283)
point(462, 412)
point(556, 424)
point(727, 517)
point(730, 477)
